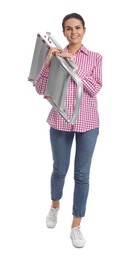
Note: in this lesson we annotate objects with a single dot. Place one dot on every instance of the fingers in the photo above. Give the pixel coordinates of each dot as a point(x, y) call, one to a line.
point(56, 51)
point(65, 54)
point(61, 53)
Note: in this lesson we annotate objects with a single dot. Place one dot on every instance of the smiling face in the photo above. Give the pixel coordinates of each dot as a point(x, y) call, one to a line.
point(74, 31)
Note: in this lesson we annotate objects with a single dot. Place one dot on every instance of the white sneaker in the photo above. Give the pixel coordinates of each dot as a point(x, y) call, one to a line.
point(77, 237)
point(51, 218)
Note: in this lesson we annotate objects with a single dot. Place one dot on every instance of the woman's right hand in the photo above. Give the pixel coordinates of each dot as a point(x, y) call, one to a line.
point(52, 52)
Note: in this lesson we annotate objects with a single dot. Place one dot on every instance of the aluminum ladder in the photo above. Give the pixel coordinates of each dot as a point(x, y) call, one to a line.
point(61, 71)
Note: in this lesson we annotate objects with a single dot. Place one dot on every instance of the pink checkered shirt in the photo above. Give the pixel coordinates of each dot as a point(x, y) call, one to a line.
point(90, 71)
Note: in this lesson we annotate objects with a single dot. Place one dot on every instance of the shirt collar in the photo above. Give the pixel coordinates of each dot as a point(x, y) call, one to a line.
point(82, 49)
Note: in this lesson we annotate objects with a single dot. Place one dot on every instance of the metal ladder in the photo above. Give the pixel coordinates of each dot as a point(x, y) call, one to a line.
point(61, 71)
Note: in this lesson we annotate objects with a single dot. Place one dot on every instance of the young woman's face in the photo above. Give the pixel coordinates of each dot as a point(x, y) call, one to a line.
point(74, 31)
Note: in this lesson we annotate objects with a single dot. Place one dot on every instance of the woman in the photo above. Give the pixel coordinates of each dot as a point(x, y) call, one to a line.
point(85, 130)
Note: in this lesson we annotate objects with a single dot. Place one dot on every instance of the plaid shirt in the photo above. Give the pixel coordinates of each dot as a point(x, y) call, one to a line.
point(90, 71)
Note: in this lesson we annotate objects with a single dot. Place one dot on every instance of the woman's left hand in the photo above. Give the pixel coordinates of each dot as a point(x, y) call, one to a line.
point(65, 54)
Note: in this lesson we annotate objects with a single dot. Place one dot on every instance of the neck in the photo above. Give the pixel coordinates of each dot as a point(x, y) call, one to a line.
point(74, 48)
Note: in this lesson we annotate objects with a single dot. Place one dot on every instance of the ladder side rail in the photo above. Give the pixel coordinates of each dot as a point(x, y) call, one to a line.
point(40, 53)
point(42, 56)
point(77, 101)
point(35, 59)
point(79, 90)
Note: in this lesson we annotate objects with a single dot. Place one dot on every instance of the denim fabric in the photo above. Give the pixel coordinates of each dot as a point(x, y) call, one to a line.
point(61, 143)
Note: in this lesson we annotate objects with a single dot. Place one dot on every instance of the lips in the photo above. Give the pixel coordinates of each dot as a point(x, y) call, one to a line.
point(74, 38)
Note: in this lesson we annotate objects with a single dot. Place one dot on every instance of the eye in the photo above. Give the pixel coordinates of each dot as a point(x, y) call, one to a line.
point(78, 27)
point(68, 29)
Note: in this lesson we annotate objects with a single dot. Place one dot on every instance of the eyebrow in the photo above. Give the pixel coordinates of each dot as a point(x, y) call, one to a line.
point(68, 26)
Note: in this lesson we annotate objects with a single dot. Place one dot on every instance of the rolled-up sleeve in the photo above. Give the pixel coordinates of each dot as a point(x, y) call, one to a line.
point(93, 82)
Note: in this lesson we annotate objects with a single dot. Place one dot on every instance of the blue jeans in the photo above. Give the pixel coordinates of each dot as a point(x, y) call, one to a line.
point(61, 143)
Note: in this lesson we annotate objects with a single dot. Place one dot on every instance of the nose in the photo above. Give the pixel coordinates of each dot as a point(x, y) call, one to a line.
point(73, 30)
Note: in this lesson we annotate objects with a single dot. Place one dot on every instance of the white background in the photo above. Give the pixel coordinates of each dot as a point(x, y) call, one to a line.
point(26, 161)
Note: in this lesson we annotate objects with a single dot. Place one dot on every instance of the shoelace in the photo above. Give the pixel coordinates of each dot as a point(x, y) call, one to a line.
point(52, 214)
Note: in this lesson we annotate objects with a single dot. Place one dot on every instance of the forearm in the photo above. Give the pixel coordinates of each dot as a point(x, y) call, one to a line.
point(91, 85)
point(92, 81)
